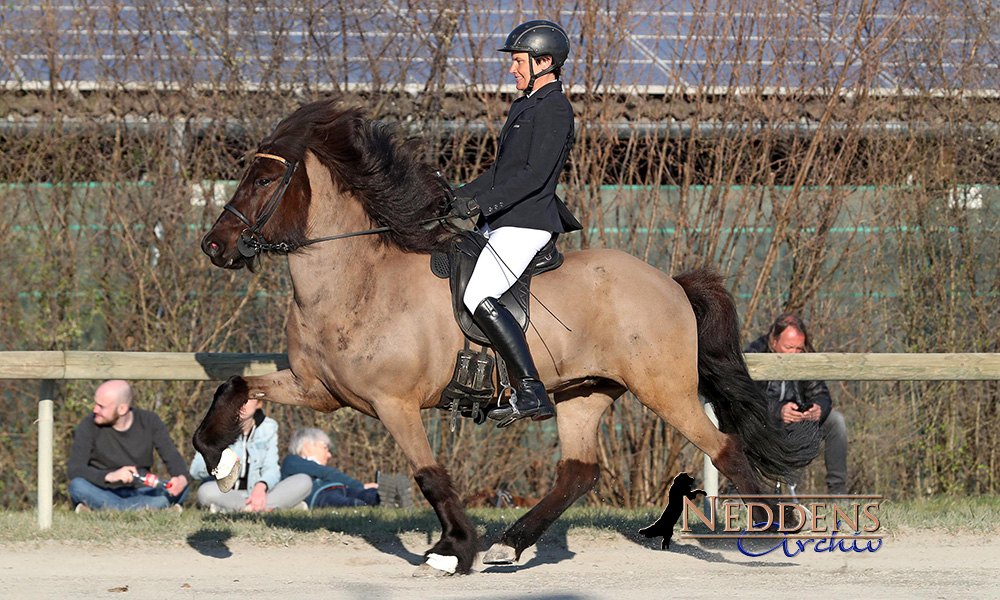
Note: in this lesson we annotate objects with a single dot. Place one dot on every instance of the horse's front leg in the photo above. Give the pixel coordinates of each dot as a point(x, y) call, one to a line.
point(221, 426)
point(456, 551)
point(577, 473)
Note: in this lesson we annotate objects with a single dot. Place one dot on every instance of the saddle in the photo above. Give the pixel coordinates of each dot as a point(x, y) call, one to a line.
point(471, 391)
point(458, 263)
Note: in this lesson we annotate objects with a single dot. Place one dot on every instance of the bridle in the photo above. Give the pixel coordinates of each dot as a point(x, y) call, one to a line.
point(251, 242)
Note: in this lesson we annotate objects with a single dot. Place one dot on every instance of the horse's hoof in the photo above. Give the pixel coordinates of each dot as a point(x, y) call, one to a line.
point(228, 470)
point(499, 554)
point(801, 518)
point(426, 570)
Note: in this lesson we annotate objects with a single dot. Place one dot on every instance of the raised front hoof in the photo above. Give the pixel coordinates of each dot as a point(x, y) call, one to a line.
point(499, 554)
point(437, 565)
point(228, 470)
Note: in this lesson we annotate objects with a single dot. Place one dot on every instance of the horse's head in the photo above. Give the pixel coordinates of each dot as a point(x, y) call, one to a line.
point(367, 163)
point(252, 222)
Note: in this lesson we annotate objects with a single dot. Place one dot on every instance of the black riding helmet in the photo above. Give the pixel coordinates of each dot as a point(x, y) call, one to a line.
point(539, 38)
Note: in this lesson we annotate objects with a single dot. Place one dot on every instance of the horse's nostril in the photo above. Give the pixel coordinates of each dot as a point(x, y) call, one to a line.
point(211, 247)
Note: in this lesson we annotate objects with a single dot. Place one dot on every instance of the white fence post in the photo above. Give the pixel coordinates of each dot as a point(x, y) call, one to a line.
point(709, 474)
point(45, 405)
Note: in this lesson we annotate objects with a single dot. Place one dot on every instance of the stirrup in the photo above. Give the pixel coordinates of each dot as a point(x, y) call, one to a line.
point(506, 415)
point(508, 420)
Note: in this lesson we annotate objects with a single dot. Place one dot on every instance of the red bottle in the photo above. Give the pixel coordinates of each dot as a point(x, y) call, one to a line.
point(149, 480)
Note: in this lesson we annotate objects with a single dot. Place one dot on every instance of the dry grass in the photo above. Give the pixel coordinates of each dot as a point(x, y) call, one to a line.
point(949, 514)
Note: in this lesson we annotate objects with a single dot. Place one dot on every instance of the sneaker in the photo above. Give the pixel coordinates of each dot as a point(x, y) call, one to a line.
point(213, 508)
point(404, 490)
point(301, 506)
point(177, 508)
point(395, 491)
point(387, 490)
point(82, 508)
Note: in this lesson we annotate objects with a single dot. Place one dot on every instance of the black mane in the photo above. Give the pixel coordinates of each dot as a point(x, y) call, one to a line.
point(367, 159)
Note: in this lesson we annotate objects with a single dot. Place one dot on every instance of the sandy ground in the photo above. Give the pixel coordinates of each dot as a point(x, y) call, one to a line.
point(579, 565)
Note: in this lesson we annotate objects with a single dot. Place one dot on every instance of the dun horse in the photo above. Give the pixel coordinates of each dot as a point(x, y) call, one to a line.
point(371, 328)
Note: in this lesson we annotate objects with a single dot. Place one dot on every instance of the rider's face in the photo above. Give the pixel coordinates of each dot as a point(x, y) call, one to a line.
point(521, 71)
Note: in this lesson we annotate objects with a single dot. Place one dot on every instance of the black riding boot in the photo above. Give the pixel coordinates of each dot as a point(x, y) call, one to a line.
point(508, 340)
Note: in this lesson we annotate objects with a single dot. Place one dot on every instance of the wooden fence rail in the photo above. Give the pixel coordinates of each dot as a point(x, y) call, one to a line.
point(199, 366)
point(173, 366)
point(196, 366)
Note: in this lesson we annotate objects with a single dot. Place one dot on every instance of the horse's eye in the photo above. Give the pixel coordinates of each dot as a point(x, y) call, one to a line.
point(262, 182)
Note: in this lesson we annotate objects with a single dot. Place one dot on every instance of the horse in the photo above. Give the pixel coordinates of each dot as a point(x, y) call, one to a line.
point(371, 328)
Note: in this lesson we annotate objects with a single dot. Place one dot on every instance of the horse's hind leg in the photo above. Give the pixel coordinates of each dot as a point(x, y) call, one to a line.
point(459, 543)
point(577, 473)
point(726, 451)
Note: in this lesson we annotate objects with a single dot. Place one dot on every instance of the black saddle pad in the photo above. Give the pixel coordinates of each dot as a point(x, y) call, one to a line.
point(457, 266)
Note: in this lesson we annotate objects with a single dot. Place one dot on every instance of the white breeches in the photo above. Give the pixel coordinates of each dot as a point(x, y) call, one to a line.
point(510, 251)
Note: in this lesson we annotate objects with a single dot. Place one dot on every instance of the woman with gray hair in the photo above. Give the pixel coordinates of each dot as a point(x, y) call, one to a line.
point(309, 452)
point(310, 435)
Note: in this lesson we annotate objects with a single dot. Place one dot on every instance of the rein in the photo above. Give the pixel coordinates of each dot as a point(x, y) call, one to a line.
point(251, 242)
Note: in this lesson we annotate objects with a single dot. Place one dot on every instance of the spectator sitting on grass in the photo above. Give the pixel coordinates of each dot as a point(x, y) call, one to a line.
point(259, 487)
point(113, 449)
point(309, 452)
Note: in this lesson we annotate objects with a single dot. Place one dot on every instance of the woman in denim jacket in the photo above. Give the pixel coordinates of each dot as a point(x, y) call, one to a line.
point(259, 486)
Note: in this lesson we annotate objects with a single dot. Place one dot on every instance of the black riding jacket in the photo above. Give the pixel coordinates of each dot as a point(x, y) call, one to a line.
point(519, 188)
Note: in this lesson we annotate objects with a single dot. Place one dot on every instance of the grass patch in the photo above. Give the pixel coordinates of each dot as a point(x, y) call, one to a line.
point(282, 528)
point(291, 527)
point(975, 514)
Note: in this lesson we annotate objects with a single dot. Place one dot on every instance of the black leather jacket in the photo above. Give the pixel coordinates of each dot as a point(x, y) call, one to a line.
point(801, 393)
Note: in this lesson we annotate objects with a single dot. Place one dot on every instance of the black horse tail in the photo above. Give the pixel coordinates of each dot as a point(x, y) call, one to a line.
point(724, 381)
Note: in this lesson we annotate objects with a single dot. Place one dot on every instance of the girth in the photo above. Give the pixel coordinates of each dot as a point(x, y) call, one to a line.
point(458, 263)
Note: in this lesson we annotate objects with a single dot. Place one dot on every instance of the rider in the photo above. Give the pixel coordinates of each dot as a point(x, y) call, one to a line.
point(516, 202)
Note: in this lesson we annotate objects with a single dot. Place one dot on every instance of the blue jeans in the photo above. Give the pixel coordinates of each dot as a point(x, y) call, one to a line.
point(82, 491)
point(338, 496)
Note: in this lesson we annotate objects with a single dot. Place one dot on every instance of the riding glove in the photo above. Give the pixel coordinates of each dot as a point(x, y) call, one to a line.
point(465, 208)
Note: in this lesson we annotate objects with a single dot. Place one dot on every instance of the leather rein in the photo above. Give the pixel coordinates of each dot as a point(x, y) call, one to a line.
point(251, 242)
